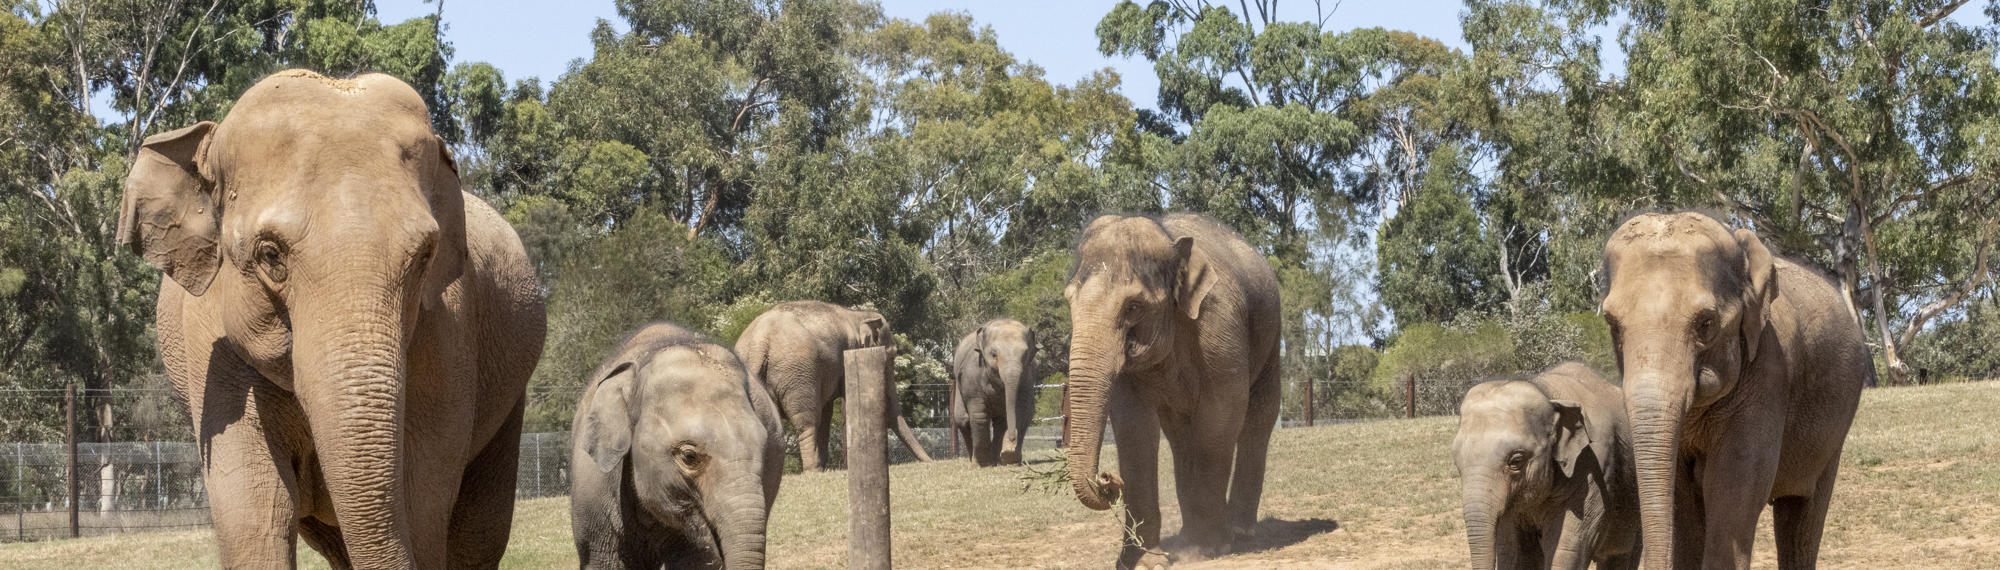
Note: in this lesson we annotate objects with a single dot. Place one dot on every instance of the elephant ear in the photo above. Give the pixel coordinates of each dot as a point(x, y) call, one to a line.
point(1760, 287)
point(1195, 278)
point(872, 328)
point(169, 214)
point(1572, 435)
point(608, 431)
point(979, 344)
point(448, 209)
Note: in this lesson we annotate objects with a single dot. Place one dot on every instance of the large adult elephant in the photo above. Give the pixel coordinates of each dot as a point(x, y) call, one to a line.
point(1742, 372)
point(678, 457)
point(795, 349)
point(352, 334)
point(993, 397)
point(1175, 330)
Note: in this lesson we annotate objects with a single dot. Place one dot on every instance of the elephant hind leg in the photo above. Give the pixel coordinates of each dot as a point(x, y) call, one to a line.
point(1253, 446)
point(1799, 522)
point(325, 538)
point(483, 514)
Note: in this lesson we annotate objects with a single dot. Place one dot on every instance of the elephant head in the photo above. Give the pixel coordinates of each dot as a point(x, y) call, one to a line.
point(322, 217)
point(1006, 349)
point(682, 422)
point(1687, 304)
point(1514, 443)
point(1136, 290)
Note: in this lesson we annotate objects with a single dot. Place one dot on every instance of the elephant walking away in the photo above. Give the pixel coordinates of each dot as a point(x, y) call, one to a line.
point(1546, 468)
point(795, 349)
point(351, 333)
point(1176, 328)
point(993, 376)
point(677, 457)
point(1742, 373)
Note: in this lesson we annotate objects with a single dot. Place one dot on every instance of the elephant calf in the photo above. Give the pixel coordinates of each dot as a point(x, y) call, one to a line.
point(993, 398)
point(677, 457)
point(1547, 472)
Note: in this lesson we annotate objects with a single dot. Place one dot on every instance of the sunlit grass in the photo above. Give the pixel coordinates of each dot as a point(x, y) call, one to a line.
point(1920, 482)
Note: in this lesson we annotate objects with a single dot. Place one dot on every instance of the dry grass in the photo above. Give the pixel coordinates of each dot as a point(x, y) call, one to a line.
point(1920, 482)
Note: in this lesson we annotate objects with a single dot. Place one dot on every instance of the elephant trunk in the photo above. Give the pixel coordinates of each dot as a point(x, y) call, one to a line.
point(349, 370)
point(1092, 367)
point(1657, 404)
point(739, 517)
point(1013, 382)
point(1480, 512)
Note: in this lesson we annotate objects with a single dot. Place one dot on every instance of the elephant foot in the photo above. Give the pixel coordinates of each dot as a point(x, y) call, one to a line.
point(1244, 531)
point(1135, 558)
point(1010, 458)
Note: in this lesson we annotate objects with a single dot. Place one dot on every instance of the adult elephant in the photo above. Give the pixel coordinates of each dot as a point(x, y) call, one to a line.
point(352, 334)
point(1176, 331)
point(679, 457)
point(993, 399)
point(795, 349)
point(1742, 372)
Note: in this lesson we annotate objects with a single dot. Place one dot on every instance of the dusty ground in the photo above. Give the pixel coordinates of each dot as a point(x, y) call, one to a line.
point(1919, 487)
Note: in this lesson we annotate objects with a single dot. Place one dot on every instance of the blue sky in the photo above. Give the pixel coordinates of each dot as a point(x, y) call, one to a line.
point(540, 37)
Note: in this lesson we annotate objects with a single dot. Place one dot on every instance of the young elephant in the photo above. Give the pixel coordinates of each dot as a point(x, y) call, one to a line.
point(1547, 473)
point(993, 380)
point(677, 456)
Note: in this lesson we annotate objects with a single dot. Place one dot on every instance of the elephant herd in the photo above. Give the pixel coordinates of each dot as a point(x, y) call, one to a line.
point(353, 334)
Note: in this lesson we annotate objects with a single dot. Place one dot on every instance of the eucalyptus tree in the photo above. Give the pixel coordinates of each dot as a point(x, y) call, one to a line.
point(1856, 133)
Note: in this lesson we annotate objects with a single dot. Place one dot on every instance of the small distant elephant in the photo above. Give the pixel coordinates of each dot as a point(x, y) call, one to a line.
point(677, 457)
point(351, 332)
point(993, 377)
point(795, 350)
point(1547, 473)
point(1176, 332)
point(1742, 372)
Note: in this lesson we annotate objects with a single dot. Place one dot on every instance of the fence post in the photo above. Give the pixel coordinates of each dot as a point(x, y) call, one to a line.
point(1410, 381)
point(1309, 400)
point(867, 458)
point(69, 414)
point(1062, 439)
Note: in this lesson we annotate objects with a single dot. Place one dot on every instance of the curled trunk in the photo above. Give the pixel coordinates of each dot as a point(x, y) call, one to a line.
point(1657, 406)
point(1092, 368)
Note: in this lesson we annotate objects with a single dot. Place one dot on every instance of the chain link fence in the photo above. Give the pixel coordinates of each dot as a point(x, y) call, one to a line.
point(142, 472)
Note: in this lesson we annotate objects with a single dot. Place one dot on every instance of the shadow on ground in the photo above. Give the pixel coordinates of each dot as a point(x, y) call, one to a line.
point(1273, 534)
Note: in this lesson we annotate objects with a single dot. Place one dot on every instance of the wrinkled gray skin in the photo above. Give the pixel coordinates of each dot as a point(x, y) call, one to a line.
point(352, 333)
point(1742, 372)
point(795, 350)
point(677, 457)
point(1175, 332)
point(1546, 468)
point(993, 374)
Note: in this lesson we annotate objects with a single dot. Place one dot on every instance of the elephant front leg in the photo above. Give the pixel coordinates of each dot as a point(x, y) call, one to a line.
point(1734, 488)
point(252, 499)
point(984, 450)
point(1137, 428)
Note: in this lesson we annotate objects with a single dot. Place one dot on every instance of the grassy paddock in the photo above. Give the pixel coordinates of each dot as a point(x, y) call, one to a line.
point(1920, 481)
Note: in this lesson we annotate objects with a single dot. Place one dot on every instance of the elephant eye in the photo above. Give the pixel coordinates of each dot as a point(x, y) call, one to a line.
point(689, 456)
point(1517, 461)
point(271, 261)
point(1131, 309)
point(1704, 326)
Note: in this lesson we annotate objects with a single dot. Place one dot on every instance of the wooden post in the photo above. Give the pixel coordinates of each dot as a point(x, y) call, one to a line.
point(867, 458)
point(1062, 439)
point(1309, 400)
point(69, 414)
point(1411, 383)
